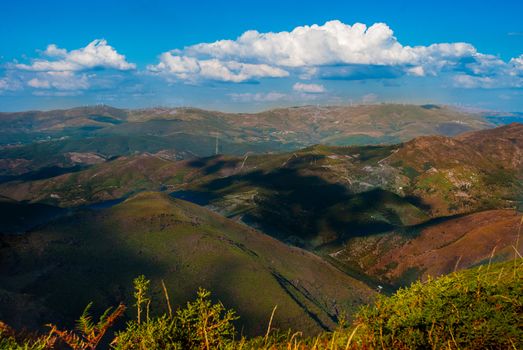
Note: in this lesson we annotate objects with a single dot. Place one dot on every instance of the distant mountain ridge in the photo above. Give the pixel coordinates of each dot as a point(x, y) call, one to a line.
point(325, 124)
point(36, 140)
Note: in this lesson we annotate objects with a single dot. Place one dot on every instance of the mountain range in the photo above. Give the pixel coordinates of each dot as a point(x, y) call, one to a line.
point(79, 136)
point(311, 208)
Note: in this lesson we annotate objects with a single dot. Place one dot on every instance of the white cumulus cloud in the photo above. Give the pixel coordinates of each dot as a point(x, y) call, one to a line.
point(334, 50)
point(193, 69)
point(8, 83)
point(309, 88)
point(329, 44)
point(5, 84)
point(97, 54)
point(517, 65)
point(60, 69)
point(490, 72)
point(470, 82)
point(487, 82)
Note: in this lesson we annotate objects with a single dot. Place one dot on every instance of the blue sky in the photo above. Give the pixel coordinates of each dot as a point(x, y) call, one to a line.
point(57, 54)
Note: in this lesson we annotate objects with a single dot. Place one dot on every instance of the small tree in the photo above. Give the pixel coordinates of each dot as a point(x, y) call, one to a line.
point(203, 324)
point(141, 287)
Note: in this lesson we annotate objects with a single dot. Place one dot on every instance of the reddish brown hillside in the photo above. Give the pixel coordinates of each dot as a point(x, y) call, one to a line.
point(503, 144)
point(474, 171)
point(492, 147)
point(425, 152)
point(457, 243)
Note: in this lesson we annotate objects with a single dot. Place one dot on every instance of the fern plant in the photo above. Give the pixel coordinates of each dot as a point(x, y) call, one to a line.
point(88, 333)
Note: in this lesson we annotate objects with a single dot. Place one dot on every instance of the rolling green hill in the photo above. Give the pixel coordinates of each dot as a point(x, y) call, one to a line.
point(94, 256)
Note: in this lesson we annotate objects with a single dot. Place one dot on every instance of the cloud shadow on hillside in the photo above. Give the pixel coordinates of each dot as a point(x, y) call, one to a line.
point(297, 208)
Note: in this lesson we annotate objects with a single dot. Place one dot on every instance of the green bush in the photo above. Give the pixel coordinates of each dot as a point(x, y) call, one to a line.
point(200, 325)
point(158, 333)
point(475, 309)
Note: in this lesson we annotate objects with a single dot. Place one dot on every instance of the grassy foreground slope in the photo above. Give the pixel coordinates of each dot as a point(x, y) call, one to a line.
point(479, 308)
point(473, 309)
point(94, 256)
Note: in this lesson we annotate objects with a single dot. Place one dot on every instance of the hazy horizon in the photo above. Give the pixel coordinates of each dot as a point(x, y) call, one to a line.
point(269, 108)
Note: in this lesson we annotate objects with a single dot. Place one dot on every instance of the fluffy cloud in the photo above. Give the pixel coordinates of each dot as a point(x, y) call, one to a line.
point(328, 44)
point(489, 72)
point(334, 50)
point(193, 69)
point(97, 54)
point(517, 65)
point(309, 88)
point(6, 85)
point(63, 70)
point(487, 82)
point(9, 83)
point(484, 65)
point(308, 47)
point(470, 81)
